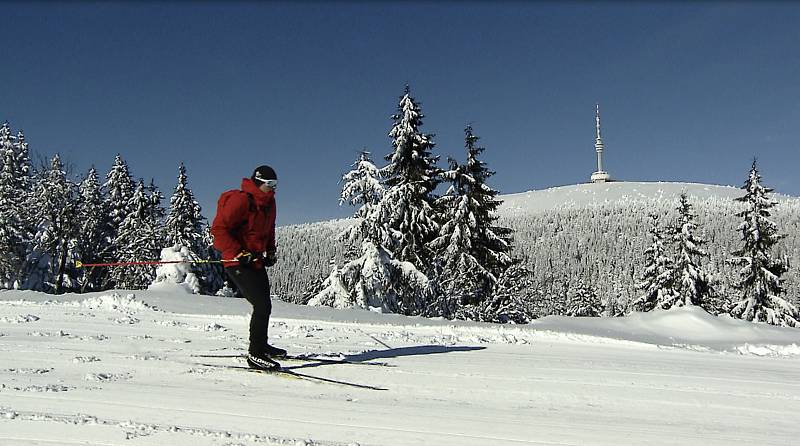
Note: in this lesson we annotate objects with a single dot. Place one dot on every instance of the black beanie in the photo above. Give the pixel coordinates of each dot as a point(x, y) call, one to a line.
point(263, 173)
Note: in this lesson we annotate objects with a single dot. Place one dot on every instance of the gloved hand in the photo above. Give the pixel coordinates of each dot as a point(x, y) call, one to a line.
point(245, 258)
point(271, 258)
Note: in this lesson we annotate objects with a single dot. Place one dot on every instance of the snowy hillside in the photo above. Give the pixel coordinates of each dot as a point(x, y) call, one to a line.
point(597, 232)
point(124, 369)
point(586, 195)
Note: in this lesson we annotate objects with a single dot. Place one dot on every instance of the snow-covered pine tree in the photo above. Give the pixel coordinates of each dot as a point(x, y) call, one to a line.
point(184, 223)
point(583, 301)
point(472, 251)
point(512, 299)
point(361, 187)
point(693, 285)
point(139, 238)
point(491, 242)
point(760, 282)
point(374, 278)
point(405, 215)
point(118, 191)
point(14, 190)
point(184, 226)
point(378, 281)
point(94, 237)
point(119, 188)
point(461, 278)
point(658, 278)
point(50, 264)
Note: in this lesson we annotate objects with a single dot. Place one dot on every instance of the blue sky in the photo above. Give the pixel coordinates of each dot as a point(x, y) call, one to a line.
point(688, 92)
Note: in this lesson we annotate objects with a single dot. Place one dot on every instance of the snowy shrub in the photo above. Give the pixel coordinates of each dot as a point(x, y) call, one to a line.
point(177, 273)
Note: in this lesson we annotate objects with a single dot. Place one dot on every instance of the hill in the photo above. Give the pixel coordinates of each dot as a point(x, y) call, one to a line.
point(591, 232)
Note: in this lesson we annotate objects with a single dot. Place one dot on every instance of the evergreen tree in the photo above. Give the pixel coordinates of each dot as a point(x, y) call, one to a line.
point(375, 280)
point(583, 302)
point(462, 279)
point(361, 187)
point(50, 264)
point(760, 282)
point(512, 300)
point(94, 239)
point(14, 180)
point(405, 217)
point(184, 224)
point(118, 191)
point(658, 278)
point(471, 250)
point(692, 282)
point(491, 242)
point(394, 231)
point(139, 238)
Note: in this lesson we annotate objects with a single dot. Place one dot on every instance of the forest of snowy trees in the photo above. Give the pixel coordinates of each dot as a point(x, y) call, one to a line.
point(51, 224)
point(423, 240)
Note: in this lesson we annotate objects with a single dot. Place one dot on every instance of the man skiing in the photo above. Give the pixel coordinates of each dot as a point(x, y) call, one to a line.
point(244, 230)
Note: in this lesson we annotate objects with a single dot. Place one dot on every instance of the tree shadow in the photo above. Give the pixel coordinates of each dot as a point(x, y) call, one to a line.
point(369, 357)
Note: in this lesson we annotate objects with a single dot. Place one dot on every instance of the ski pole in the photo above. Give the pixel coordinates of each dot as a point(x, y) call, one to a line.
point(79, 264)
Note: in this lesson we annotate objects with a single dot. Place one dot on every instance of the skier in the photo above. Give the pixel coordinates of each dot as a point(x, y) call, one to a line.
point(244, 230)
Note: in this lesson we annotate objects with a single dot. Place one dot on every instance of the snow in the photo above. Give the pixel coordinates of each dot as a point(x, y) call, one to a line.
point(589, 194)
point(72, 373)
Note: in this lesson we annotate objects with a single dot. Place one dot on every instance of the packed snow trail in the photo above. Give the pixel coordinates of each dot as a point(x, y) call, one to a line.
point(107, 369)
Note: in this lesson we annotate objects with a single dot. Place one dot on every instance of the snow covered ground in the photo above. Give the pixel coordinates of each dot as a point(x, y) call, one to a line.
point(590, 194)
point(114, 369)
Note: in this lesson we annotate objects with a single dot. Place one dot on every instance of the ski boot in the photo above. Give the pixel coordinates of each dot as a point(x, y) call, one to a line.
point(262, 362)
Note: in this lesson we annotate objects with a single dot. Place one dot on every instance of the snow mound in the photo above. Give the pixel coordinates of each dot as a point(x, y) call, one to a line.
point(686, 327)
point(115, 302)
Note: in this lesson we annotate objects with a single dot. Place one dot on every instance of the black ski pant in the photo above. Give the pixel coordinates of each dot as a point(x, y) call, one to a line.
point(254, 285)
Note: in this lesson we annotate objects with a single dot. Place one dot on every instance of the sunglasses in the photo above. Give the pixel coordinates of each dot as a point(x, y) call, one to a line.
point(272, 184)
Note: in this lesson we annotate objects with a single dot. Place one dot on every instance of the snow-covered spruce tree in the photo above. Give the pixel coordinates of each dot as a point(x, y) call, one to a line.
point(14, 189)
point(119, 188)
point(510, 302)
point(760, 282)
point(472, 251)
point(491, 242)
point(184, 227)
point(405, 215)
point(461, 278)
point(118, 191)
point(375, 280)
point(361, 187)
point(94, 237)
point(693, 284)
point(583, 301)
point(50, 265)
point(658, 278)
point(139, 238)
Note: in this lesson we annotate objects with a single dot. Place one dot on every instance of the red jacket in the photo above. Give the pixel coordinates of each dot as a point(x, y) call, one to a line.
point(245, 224)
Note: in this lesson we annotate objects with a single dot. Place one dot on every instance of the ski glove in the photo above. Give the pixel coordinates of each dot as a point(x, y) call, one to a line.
point(271, 258)
point(245, 258)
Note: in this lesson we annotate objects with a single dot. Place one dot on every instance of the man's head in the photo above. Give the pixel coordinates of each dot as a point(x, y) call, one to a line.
point(265, 178)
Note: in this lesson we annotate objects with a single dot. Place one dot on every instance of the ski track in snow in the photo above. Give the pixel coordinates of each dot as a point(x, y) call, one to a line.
point(81, 374)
